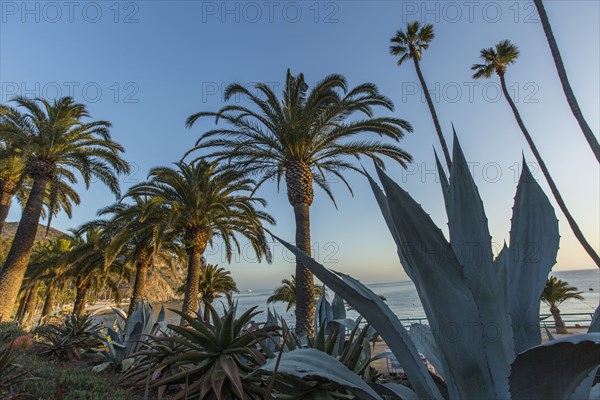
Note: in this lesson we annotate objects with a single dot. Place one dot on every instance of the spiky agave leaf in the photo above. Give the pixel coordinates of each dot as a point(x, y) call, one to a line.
point(553, 370)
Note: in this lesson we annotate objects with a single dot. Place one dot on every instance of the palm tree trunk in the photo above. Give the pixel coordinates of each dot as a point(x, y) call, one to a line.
point(22, 302)
point(305, 300)
point(11, 276)
point(83, 288)
point(197, 240)
point(207, 310)
point(139, 286)
point(564, 80)
point(557, 196)
point(31, 303)
point(436, 121)
point(558, 322)
point(49, 302)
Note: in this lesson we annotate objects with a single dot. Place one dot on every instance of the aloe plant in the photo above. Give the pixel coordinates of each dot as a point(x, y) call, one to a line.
point(124, 339)
point(465, 293)
point(70, 338)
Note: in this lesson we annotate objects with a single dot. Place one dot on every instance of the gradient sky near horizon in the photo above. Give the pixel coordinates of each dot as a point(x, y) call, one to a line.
point(147, 65)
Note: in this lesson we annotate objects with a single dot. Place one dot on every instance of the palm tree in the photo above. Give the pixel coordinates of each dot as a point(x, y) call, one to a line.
point(286, 293)
point(91, 267)
point(58, 143)
point(214, 282)
point(139, 238)
point(556, 292)
point(200, 201)
point(411, 45)
point(564, 80)
point(496, 60)
point(303, 136)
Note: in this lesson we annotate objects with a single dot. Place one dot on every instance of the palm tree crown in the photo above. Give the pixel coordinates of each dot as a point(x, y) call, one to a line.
point(558, 291)
point(410, 44)
point(286, 293)
point(304, 127)
point(496, 60)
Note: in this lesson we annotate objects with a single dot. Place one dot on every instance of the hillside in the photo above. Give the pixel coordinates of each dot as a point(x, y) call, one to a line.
point(11, 227)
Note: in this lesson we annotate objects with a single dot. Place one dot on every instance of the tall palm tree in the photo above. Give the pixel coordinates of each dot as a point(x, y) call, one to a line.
point(564, 80)
point(138, 236)
point(556, 292)
point(214, 282)
point(286, 293)
point(59, 141)
point(200, 201)
point(303, 136)
point(410, 45)
point(496, 60)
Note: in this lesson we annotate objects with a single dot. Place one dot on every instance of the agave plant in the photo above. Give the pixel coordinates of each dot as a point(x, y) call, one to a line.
point(484, 334)
point(10, 371)
point(69, 339)
point(207, 361)
point(124, 339)
point(353, 352)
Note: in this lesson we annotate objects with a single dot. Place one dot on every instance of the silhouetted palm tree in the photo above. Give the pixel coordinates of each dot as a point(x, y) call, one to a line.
point(410, 45)
point(496, 60)
point(301, 137)
point(556, 292)
point(58, 143)
point(564, 80)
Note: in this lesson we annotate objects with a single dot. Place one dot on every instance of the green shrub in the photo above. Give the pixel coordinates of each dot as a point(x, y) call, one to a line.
point(9, 331)
point(76, 383)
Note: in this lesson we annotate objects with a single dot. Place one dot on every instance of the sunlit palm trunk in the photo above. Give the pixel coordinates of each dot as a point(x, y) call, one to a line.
point(31, 303)
point(11, 276)
point(139, 286)
point(82, 290)
point(564, 80)
point(553, 188)
point(197, 240)
point(558, 322)
point(49, 302)
point(434, 116)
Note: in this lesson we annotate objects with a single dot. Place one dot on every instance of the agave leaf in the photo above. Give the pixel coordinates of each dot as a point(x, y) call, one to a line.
point(443, 290)
point(471, 241)
point(583, 391)
point(338, 307)
point(102, 367)
point(553, 370)
point(595, 392)
point(305, 363)
point(383, 320)
point(395, 391)
point(533, 247)
point(425, 342)
point(323, 314)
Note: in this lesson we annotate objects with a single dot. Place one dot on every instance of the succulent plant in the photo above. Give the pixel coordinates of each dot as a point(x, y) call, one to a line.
point(124, 339)
point(70, 338)
point(465, 293)
point(207, 360)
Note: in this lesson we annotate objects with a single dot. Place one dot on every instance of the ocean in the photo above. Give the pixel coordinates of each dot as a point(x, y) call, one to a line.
point(403, 300)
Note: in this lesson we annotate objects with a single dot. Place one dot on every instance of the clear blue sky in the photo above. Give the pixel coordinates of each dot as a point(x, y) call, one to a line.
point(147, 65)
